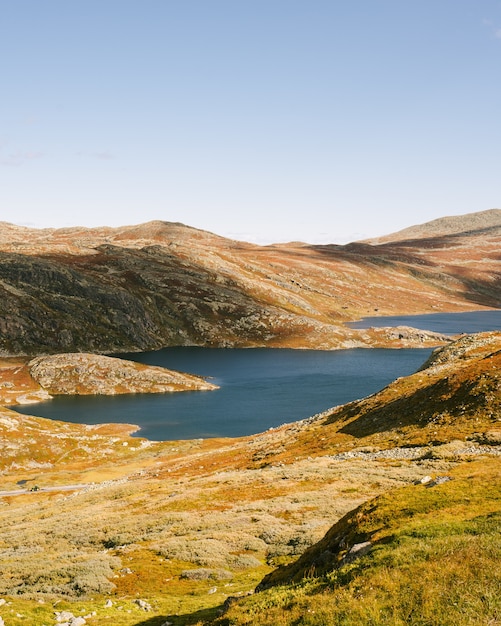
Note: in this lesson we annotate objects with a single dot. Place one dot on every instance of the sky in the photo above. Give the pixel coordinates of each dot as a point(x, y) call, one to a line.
point(323, 121)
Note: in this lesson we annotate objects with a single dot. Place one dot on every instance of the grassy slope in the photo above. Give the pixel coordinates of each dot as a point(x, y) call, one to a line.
point(434, 553)
point(244, 506)
point(434, 559)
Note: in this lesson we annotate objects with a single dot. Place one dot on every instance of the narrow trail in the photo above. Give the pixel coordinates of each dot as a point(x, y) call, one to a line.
point(22, 492)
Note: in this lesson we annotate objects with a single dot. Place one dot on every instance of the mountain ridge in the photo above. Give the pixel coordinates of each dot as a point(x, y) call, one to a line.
point(446, 225)
point(162, 284)
point(489, 220)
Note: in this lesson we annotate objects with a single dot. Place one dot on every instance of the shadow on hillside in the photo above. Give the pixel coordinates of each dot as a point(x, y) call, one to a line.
point(416, 409)
point(408, 255)
point(204, 616)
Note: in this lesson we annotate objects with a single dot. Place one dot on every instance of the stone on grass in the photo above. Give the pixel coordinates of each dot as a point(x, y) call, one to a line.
point(142, 604)
point(357, 550)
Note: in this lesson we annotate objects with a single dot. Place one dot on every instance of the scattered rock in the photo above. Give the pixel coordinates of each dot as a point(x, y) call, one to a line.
point(438, 481)
point(66, 618)
point(425, 480)
point(357, 550)
point(108, 604)
point(142, 604)
point(63, 616)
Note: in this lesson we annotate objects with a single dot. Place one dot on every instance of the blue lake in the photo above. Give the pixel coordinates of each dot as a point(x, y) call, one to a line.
point(448, 323)
point(259, 388)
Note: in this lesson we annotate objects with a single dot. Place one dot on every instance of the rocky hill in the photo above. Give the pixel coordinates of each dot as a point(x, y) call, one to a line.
point(483, 222)
point(87, 374)
point(26, 382)
point(160, 284)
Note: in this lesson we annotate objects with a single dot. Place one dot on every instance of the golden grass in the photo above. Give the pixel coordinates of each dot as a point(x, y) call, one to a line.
point(434, 560)
point(245, 506)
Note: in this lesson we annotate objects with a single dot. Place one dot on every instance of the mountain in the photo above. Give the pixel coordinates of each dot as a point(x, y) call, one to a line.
point(483, 222)
point(109, 290)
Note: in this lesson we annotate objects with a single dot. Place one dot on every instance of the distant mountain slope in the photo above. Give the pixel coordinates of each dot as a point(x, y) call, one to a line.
point(487, 221)
point(160, 284)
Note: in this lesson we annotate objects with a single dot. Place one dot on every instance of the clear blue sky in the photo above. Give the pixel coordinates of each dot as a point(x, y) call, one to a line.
point(263, 120)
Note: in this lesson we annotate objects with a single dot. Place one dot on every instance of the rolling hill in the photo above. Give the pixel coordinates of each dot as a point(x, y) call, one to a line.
point(382, 511)
point(162, 284)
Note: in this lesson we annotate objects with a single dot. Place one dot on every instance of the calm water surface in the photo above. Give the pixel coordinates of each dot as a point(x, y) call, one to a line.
point(260, 388)
point(448, 323)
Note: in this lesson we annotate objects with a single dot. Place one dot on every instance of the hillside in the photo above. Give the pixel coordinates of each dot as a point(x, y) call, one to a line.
point(486, 222)
point(159, 284)
point(183, 526)
point(424, 554)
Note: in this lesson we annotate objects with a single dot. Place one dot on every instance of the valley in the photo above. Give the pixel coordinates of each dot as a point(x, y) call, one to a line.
point(301, 524)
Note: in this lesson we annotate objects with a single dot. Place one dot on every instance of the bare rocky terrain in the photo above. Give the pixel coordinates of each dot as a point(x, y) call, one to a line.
point(85, 374)
point(161, 284)
point(29, 381)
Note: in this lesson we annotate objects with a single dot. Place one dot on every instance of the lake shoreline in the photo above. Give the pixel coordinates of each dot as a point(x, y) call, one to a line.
point(261, 388)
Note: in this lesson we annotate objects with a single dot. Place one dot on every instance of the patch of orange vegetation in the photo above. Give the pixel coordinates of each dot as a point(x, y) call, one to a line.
point(15, 381)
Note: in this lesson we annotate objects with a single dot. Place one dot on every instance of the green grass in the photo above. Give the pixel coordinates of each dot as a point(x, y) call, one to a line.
point(434, 562)
point(159, 510)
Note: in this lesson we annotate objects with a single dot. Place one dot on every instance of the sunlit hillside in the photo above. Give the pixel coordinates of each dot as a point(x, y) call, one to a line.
point(95, 520)
point(161, 284)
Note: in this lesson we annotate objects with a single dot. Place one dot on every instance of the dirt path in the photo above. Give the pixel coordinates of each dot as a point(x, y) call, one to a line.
point(31, 490)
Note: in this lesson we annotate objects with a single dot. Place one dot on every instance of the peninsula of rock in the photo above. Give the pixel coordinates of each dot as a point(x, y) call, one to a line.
point(88, 374)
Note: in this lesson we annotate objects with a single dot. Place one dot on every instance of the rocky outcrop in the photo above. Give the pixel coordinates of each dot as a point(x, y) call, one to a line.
point(84, 374)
